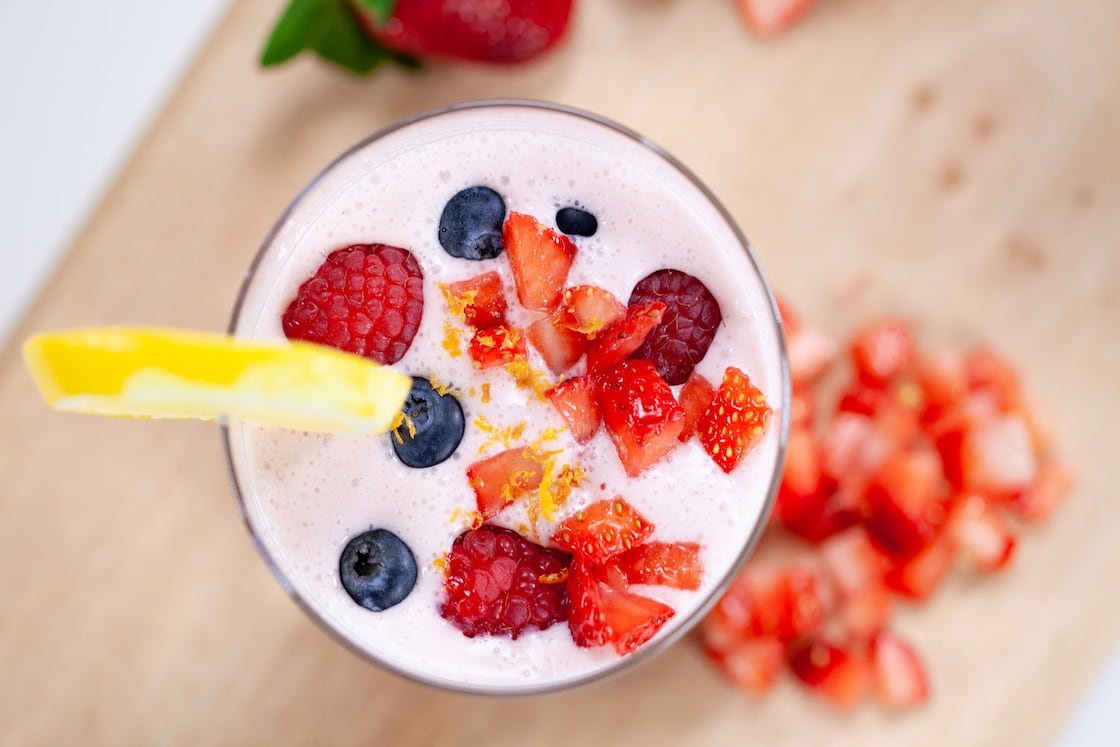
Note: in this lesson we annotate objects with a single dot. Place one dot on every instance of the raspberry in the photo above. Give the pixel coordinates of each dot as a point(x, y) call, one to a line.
point(500, 583)
point(365, 299)
point(687, 327)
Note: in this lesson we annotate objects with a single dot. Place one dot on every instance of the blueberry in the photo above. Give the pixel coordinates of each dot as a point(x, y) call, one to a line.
point(576, 222)
point(437, 425)
point(378, 569)
point(471, 224)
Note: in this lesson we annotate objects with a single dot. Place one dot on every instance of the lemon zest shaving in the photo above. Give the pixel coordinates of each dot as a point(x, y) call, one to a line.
point(457, 303)
point(506, 436)
point(453, 339)
point(557, 486)
point(558, 577)
point(441, 387)
point(527, 377)
point(402, 420)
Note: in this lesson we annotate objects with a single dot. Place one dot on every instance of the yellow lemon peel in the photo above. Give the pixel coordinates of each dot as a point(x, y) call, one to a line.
point(152, 372)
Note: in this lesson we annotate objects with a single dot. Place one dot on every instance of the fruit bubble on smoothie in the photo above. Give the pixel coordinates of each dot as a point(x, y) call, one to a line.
point(594, 427)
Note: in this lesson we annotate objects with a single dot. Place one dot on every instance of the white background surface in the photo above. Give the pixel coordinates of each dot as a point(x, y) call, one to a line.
point(81, 82)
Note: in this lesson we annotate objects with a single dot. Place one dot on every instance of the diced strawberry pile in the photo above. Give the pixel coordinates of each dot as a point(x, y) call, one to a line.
point(925, 461)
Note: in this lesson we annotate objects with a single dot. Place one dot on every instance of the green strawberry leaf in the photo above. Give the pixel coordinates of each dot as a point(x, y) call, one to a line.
point(382, 8)
point(331, 30)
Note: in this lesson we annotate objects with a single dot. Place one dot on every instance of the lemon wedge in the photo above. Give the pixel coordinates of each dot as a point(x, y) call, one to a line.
point(144, 372)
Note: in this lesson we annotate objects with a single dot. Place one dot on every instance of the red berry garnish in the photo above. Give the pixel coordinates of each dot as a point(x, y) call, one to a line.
point(500, 583)
point(673, 564)
point(496, 346)
point(502, 478)
point(734, 420)
point(603, 530)
point(576, 401)
point(641, 415)
point(480, 300)
point(539, 259)
point(624, 337)
point(365, 299)
point(696, 394)
point(603, 612)
point(687, 327)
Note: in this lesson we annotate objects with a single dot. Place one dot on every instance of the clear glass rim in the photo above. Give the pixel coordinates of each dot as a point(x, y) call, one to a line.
point(682, 628)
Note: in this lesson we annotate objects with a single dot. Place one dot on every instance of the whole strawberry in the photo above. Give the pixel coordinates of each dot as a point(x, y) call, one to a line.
point(361, 34)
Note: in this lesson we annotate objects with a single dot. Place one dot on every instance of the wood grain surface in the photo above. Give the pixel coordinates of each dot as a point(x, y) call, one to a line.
point(956, 162)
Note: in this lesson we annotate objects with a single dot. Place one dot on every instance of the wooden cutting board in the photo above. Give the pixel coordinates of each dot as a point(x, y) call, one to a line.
point(955, 162)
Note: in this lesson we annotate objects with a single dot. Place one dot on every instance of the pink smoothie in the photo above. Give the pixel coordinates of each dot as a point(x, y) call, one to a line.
point(305, 495)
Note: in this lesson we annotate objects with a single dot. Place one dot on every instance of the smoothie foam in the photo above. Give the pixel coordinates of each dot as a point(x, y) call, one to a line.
point(304, 495)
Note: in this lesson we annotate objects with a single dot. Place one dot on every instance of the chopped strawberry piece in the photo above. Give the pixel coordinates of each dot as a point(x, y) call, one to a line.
point(720, 633)
point(784, 603)
point(897, 418)
point(480, 301)
point(856, 569)
point(601, 613)
point(602, 530)
point(897, 674)
point(948, 439)
point(798, 596)
point(837, 674)
point(696, 394)
point(771, 17)
point(881, 351)
point(918, 576)
point(944, 383)
point(540, 259)
point(852, 561)
point(863, 613)
point(589, 310)
point(810, 352)
point(560, 347)
point(623, 337)
point(905, 504)
point(987, 371)
point(809, 504)
point(734, 421)
point(853, 449)
point(818, 516)
point(997, 456)
point(802, 474)
point(496, 346)
point(500, 479)
point(640, 413)
point(1049, 488)
point(802, 407)
point(981, 538)
point(753, 664)
point(673, 564)
point(576, 401)
point(860, 399)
